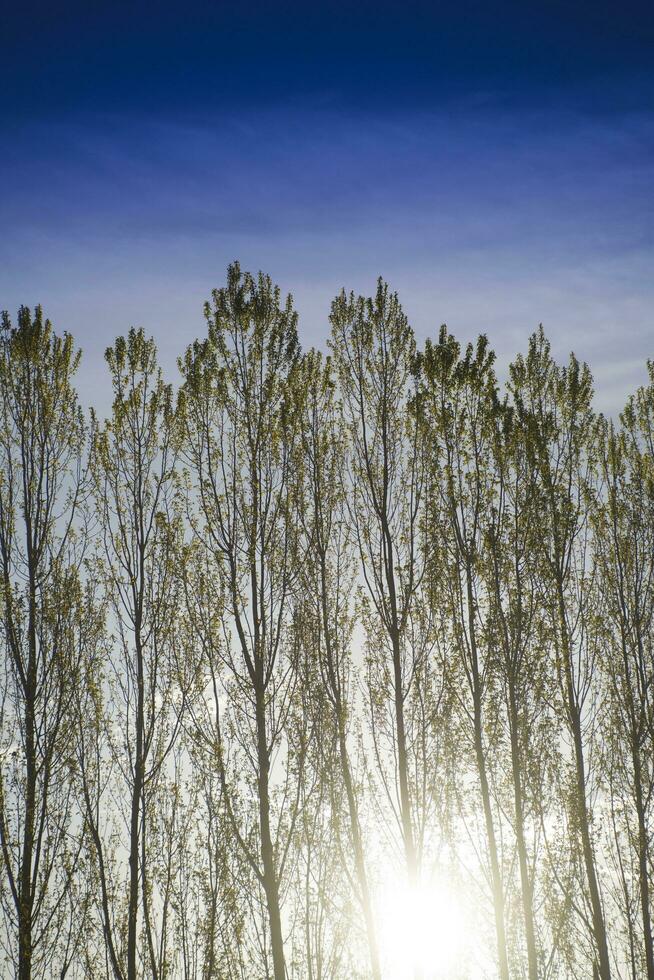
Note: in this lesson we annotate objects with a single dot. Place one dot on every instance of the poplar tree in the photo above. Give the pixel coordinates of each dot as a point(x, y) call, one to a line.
point(42, 540)
point(457, 404)
point(625, 556)
point(554, 404)
point(517, 631)
point(239, 427)
point(327, 582)
point(134, 697)
point(374, 350)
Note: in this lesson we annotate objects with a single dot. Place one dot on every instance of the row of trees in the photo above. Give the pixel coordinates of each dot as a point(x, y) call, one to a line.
point(310, 625)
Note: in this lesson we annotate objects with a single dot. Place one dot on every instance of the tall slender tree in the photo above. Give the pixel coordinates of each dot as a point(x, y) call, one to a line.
point(239, 428)
point(327, 582)
point(374, 350)
point(42, 539)
point(625, 556)
point(457, 403)
point(554, 405)
point(134, 698)
point(516, 629)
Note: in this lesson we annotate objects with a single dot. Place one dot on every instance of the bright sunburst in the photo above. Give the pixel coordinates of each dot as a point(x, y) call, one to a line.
point(424, 931)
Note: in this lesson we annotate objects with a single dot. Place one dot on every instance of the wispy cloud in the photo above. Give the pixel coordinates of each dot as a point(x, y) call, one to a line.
point(489, 217)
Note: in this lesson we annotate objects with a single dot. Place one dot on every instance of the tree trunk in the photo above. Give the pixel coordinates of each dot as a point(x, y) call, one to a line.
point(643, 862)
point(398, 684)
point(525, 880)
point(26, 898)
point(574, 715)
point(357, 843)
point(359, 861)
point(270, 883)
point(496, 878)
point(26, 894)
point(643, 836)
point(137, 796)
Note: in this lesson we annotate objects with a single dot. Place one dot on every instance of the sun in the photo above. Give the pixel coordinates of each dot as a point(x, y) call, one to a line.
point(423, 931)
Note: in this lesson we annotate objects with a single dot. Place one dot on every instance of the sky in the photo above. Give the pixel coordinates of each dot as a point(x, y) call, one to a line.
point(494, 162)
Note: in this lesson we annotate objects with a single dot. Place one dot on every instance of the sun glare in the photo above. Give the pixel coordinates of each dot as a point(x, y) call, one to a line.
point(423, 932)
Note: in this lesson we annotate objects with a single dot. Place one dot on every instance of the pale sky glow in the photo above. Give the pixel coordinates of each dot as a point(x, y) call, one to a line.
point(488, 217)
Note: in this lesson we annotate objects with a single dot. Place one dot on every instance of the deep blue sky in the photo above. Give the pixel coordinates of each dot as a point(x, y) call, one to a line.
point(493, 161)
